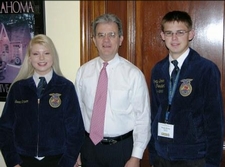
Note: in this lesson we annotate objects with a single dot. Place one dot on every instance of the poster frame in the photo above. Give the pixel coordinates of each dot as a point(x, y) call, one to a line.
point(12, 11)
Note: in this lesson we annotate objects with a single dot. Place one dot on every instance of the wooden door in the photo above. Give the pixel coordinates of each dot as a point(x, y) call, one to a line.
point(142, 44)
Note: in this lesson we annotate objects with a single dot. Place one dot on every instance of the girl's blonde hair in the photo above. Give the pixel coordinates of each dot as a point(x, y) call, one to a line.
point(27, 69)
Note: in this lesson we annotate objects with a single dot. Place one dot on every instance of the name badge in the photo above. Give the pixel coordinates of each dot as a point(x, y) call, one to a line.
point(165, 130)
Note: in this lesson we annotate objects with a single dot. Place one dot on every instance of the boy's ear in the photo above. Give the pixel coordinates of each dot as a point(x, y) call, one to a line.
point(191, 34)
point(162, 36)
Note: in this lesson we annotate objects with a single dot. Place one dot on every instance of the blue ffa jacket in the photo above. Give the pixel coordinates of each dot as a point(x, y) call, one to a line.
point(196, 111)
point(52, 127)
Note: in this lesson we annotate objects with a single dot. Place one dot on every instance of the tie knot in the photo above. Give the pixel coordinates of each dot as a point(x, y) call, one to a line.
point(41, 79)
point(105, 64)
point(175, 63)
point(42, 82)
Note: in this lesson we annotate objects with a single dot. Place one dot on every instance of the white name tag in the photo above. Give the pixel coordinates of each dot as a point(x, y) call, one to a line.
point(165, 130)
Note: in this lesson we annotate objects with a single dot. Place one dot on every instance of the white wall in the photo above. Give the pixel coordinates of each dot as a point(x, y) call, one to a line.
point(63, 27)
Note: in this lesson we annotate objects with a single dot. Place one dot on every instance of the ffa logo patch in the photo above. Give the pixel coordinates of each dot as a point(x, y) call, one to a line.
point(55, 100)
point(185, 87)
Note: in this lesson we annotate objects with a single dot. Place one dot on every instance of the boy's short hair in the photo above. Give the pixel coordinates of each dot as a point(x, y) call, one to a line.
point(178, 16)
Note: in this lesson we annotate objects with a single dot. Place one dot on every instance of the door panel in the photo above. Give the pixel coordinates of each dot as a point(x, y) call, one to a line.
point(142, 44)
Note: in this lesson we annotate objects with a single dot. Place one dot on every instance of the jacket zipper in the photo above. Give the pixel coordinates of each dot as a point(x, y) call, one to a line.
point(38, 101)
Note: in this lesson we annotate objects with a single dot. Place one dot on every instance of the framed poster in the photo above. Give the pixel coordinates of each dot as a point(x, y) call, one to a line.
point(19, 22)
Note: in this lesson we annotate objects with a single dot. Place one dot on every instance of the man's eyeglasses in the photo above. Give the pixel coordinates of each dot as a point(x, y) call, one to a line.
point(179, 33)
point(109, 35)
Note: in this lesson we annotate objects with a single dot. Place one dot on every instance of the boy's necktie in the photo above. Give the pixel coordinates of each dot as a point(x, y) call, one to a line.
point(175, 71)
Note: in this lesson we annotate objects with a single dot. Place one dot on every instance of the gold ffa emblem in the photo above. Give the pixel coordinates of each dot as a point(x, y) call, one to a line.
point(185, 87)
point(55, 100)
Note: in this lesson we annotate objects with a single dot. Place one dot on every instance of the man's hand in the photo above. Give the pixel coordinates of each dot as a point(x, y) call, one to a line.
point(133, 162)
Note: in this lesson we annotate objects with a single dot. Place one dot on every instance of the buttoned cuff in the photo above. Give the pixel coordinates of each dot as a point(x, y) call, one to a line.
point(137, 152)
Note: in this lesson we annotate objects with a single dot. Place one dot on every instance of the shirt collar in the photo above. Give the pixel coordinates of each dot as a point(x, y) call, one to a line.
point(111, 62)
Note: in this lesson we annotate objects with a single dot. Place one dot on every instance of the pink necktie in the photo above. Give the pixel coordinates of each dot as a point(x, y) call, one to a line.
point(98, 115)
